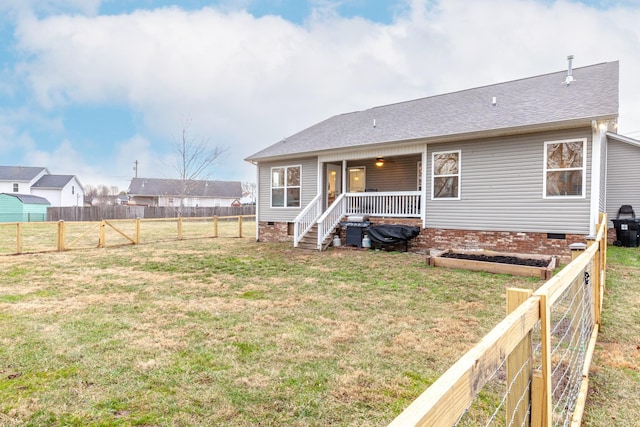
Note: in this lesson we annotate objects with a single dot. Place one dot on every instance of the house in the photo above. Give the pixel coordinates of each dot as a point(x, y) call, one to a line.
point(59, 190)
point(523, 166)
point(22, 208)
point(174, 192)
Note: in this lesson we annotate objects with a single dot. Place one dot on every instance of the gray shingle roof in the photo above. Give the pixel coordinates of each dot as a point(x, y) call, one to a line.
point(19, 173)
point(53, 181)
point(173, 187)
point(29, 199)
point(520, 104)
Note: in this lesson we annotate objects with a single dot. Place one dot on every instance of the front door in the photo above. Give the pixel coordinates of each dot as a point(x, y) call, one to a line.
point(334, 182)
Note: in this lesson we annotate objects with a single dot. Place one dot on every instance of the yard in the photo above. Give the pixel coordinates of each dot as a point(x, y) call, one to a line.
point(233, 333)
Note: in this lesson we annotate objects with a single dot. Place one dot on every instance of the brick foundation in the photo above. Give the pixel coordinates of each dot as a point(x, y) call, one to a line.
point(273, 232)
point(432, 238)
point(503, 241)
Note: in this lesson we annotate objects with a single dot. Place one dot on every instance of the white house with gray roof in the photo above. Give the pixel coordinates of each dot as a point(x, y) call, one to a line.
point(521, 166)
point(175, 192)
point(59, 190)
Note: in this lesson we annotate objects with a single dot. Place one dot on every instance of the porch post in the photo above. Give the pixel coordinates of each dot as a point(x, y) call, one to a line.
point(344, 176)
point(321, 183)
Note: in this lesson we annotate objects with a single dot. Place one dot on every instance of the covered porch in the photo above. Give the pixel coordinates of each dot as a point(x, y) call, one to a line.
point(388, 185)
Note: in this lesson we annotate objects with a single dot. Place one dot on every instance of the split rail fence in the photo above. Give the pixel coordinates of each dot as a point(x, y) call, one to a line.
point(19, 237)
point(532, 369)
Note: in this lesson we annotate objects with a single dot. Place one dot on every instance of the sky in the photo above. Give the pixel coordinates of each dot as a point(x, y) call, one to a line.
point(89, 87)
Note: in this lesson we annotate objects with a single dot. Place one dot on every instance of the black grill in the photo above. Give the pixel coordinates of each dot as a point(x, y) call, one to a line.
point(354, 232)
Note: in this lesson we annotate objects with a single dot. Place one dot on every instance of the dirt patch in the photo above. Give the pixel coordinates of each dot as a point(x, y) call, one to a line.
point(502, 259)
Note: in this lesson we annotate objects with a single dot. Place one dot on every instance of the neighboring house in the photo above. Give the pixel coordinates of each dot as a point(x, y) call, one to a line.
point(524, 166)
point(59, 190)
point(20, 179)
point(22, 208)
point(169, 192)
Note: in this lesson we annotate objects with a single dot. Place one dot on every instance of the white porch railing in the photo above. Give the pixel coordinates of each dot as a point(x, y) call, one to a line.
point(306, 219)
point(404, 204)
point(330, 218)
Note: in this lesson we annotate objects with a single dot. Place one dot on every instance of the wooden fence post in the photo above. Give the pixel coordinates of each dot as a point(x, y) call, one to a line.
point(103, 234)
point(19, 238)
point(215, 226)
point(594, 276)
point(518, 377)
point(537, 388)
point(239, 225)
point(61, 235)
point(180, 228)
point(137, 236)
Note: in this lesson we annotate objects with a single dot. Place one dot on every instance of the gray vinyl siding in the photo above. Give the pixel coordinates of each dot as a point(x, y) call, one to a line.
point(309, 189)
point(397, 174)
point(501, 188)
point(623, 177)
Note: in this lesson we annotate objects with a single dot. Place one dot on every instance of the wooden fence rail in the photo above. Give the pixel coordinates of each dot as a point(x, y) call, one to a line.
point(18, 238)
point(534, 363)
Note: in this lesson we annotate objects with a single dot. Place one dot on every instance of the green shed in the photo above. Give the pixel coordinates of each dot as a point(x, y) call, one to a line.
point(22, 208)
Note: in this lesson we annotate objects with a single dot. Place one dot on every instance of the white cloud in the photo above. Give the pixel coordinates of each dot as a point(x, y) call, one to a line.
point(247, 82)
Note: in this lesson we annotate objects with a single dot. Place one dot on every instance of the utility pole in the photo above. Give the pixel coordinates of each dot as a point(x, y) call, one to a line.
point(135, 168)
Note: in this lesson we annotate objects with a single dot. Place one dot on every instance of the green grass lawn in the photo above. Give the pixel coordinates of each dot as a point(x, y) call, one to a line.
point(230, 332)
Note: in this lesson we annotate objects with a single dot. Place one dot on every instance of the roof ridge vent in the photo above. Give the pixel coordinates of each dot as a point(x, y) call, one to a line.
point(569, 78)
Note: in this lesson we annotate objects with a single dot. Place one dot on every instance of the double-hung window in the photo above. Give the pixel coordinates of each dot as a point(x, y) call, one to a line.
point(445, 179)
point(565, 168)
point(285, 187)
point(16, 187)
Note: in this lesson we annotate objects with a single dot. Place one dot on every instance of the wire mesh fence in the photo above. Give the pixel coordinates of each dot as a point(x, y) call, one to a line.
point(505, 399)
point(532, 368)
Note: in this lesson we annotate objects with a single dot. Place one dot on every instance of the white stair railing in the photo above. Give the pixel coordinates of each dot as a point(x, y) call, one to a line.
point(306, 219)
point(330, 218)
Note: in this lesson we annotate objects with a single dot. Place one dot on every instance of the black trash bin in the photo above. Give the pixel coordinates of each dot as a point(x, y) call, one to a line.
point(627, 229)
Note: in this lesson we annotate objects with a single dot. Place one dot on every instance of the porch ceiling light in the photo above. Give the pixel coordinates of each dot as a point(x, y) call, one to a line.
point(379, 161)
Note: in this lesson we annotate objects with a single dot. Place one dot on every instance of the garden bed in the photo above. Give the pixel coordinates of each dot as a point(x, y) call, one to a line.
point(495, 262)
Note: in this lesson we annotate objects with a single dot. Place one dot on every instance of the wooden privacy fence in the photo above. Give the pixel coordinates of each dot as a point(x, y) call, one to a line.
point(100, 212)
point(532, 369)
point(18, 238)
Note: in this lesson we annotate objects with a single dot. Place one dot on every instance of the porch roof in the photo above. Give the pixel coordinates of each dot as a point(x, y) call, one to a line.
point(541, 102)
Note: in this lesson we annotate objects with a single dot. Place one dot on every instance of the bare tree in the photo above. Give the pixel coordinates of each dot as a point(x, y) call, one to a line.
point(195, 156)
point(249, 190)
point(100, 194)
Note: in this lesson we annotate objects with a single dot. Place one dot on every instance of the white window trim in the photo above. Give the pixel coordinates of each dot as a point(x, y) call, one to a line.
point(583, 168)
point(285, 187)
point(459, 174)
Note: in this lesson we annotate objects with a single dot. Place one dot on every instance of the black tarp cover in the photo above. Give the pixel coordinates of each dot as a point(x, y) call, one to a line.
point(389, 234)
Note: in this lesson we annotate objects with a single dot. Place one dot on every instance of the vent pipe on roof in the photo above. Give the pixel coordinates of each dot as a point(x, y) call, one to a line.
point(569, 78)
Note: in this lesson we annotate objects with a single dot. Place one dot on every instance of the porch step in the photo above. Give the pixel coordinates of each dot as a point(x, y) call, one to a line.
point(310, 240)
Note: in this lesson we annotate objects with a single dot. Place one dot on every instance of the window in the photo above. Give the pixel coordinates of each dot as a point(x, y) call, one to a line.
point(73, 189)
point(285, 187)
point(16, 187)
point(445, 183)
point(357, 179)
point(564, 168)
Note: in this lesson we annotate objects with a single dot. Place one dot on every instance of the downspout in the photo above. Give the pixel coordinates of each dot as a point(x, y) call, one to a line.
point(257, 200)
point(598, 133)
point(423, 196)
